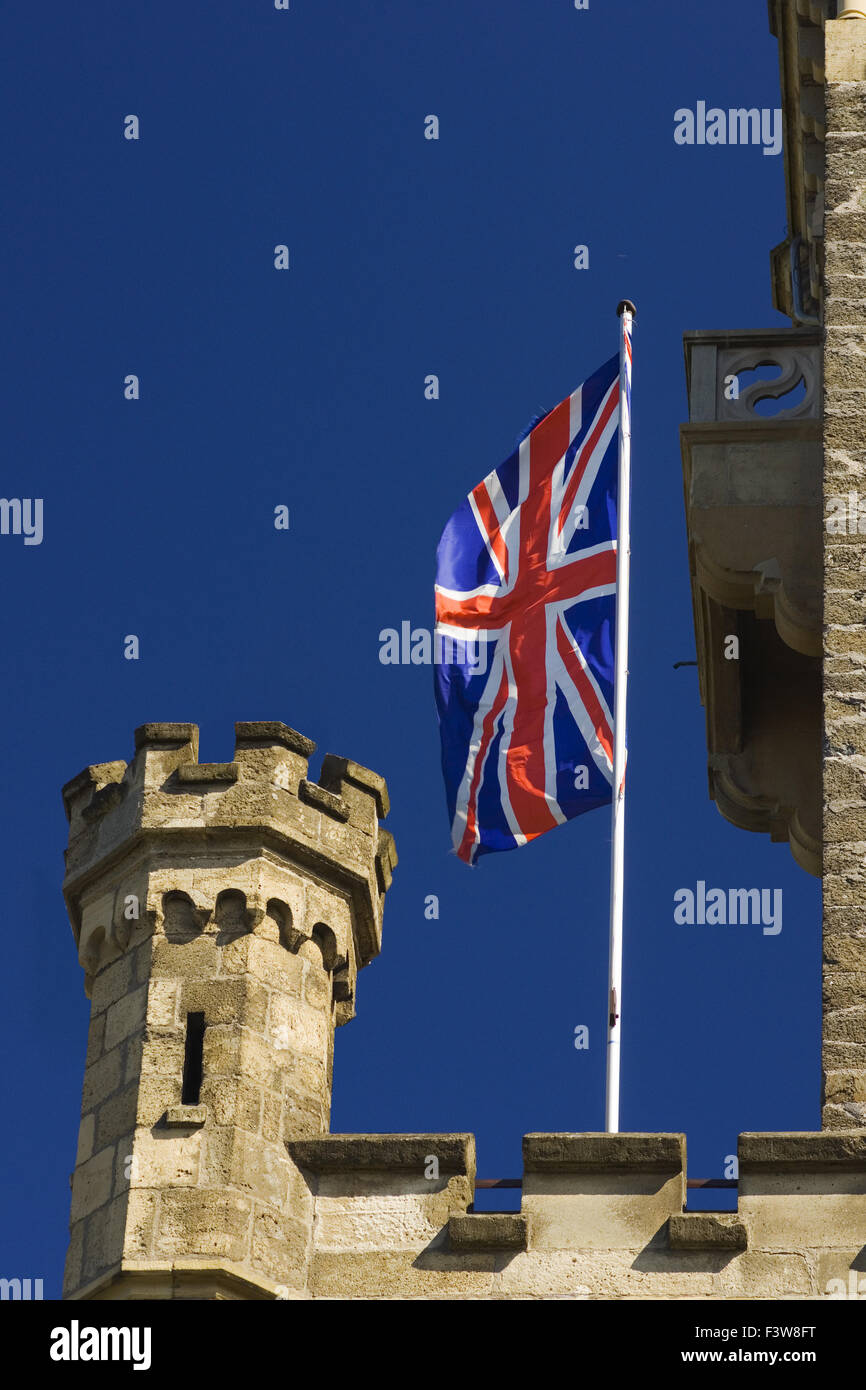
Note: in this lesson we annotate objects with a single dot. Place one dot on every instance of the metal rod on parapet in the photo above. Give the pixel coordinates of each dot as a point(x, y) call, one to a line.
point(626, 312)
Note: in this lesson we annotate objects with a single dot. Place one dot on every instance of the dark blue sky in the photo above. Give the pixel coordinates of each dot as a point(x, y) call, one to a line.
point(305, 388)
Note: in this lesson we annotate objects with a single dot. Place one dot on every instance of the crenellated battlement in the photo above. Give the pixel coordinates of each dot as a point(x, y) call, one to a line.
point(261, 804)
point(601, 1216)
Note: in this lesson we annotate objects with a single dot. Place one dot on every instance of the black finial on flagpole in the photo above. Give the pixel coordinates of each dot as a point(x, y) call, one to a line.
point(623, 305)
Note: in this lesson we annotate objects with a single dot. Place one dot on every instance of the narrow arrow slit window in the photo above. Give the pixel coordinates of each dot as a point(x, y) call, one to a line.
point(193, 1059)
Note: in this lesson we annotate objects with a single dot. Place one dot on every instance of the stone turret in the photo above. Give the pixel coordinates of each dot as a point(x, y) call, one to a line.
point(222, 912)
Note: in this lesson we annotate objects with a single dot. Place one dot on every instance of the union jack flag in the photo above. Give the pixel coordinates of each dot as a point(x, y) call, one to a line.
point(526, 594)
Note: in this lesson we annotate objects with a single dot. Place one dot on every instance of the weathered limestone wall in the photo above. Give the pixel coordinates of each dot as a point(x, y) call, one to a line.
point(254, 897)
point(601, 1218)
point(844, 816)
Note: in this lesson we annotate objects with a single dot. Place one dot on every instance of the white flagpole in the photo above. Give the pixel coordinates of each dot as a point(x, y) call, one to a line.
point(626, 312)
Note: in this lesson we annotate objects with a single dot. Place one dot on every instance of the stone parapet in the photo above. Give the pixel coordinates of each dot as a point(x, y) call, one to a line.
point(602, 1217)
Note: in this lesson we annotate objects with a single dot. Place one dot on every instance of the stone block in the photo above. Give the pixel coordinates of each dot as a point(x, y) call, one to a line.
point(98, 1233)
point(125, 1016)
point(95, 1036)
point(841, 1087)
point(323, 800)
point(198, 958)
point(707, 1230)
point(141, 957)
point(222, 1051)
point(773, 1275)
point(74, 1258)
point(267, 1063)
point(294, 1025)
point(590, 1152)
point(110, 984)
point(842, 1055)
point(272, 1117)
point(843, 258)
point(597, 1210)
point(166, 1158)
point(802, 1152)
point(93, 1183)
point(86, 1135)
point(155, 1095)
point(115, 1117)
point(194, 1221)
point(843, 989)
point(305, 1116)
point(185, 1117)
point(845, 640)
point(364, 791)
point(844, 1116)
point(220, 1000)
point(163, 1056)
point(317, 988)
point(577, 1275)
point(803, 1191)
point(233, 1101)
point(132, 1049)
point(846, 1025)
point(403, 1275)
point(845, 952)
point(279, 1248)
point(122, 1230)
point(162, 1004)
point(198, 773)
point(844, 62)
point(487, 1231)
point(387, 1153)
point(840, 312)
point(102, 1079)
point(259, 1168)
point(845, 106)
point(813, 1212)
point(266, 961)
